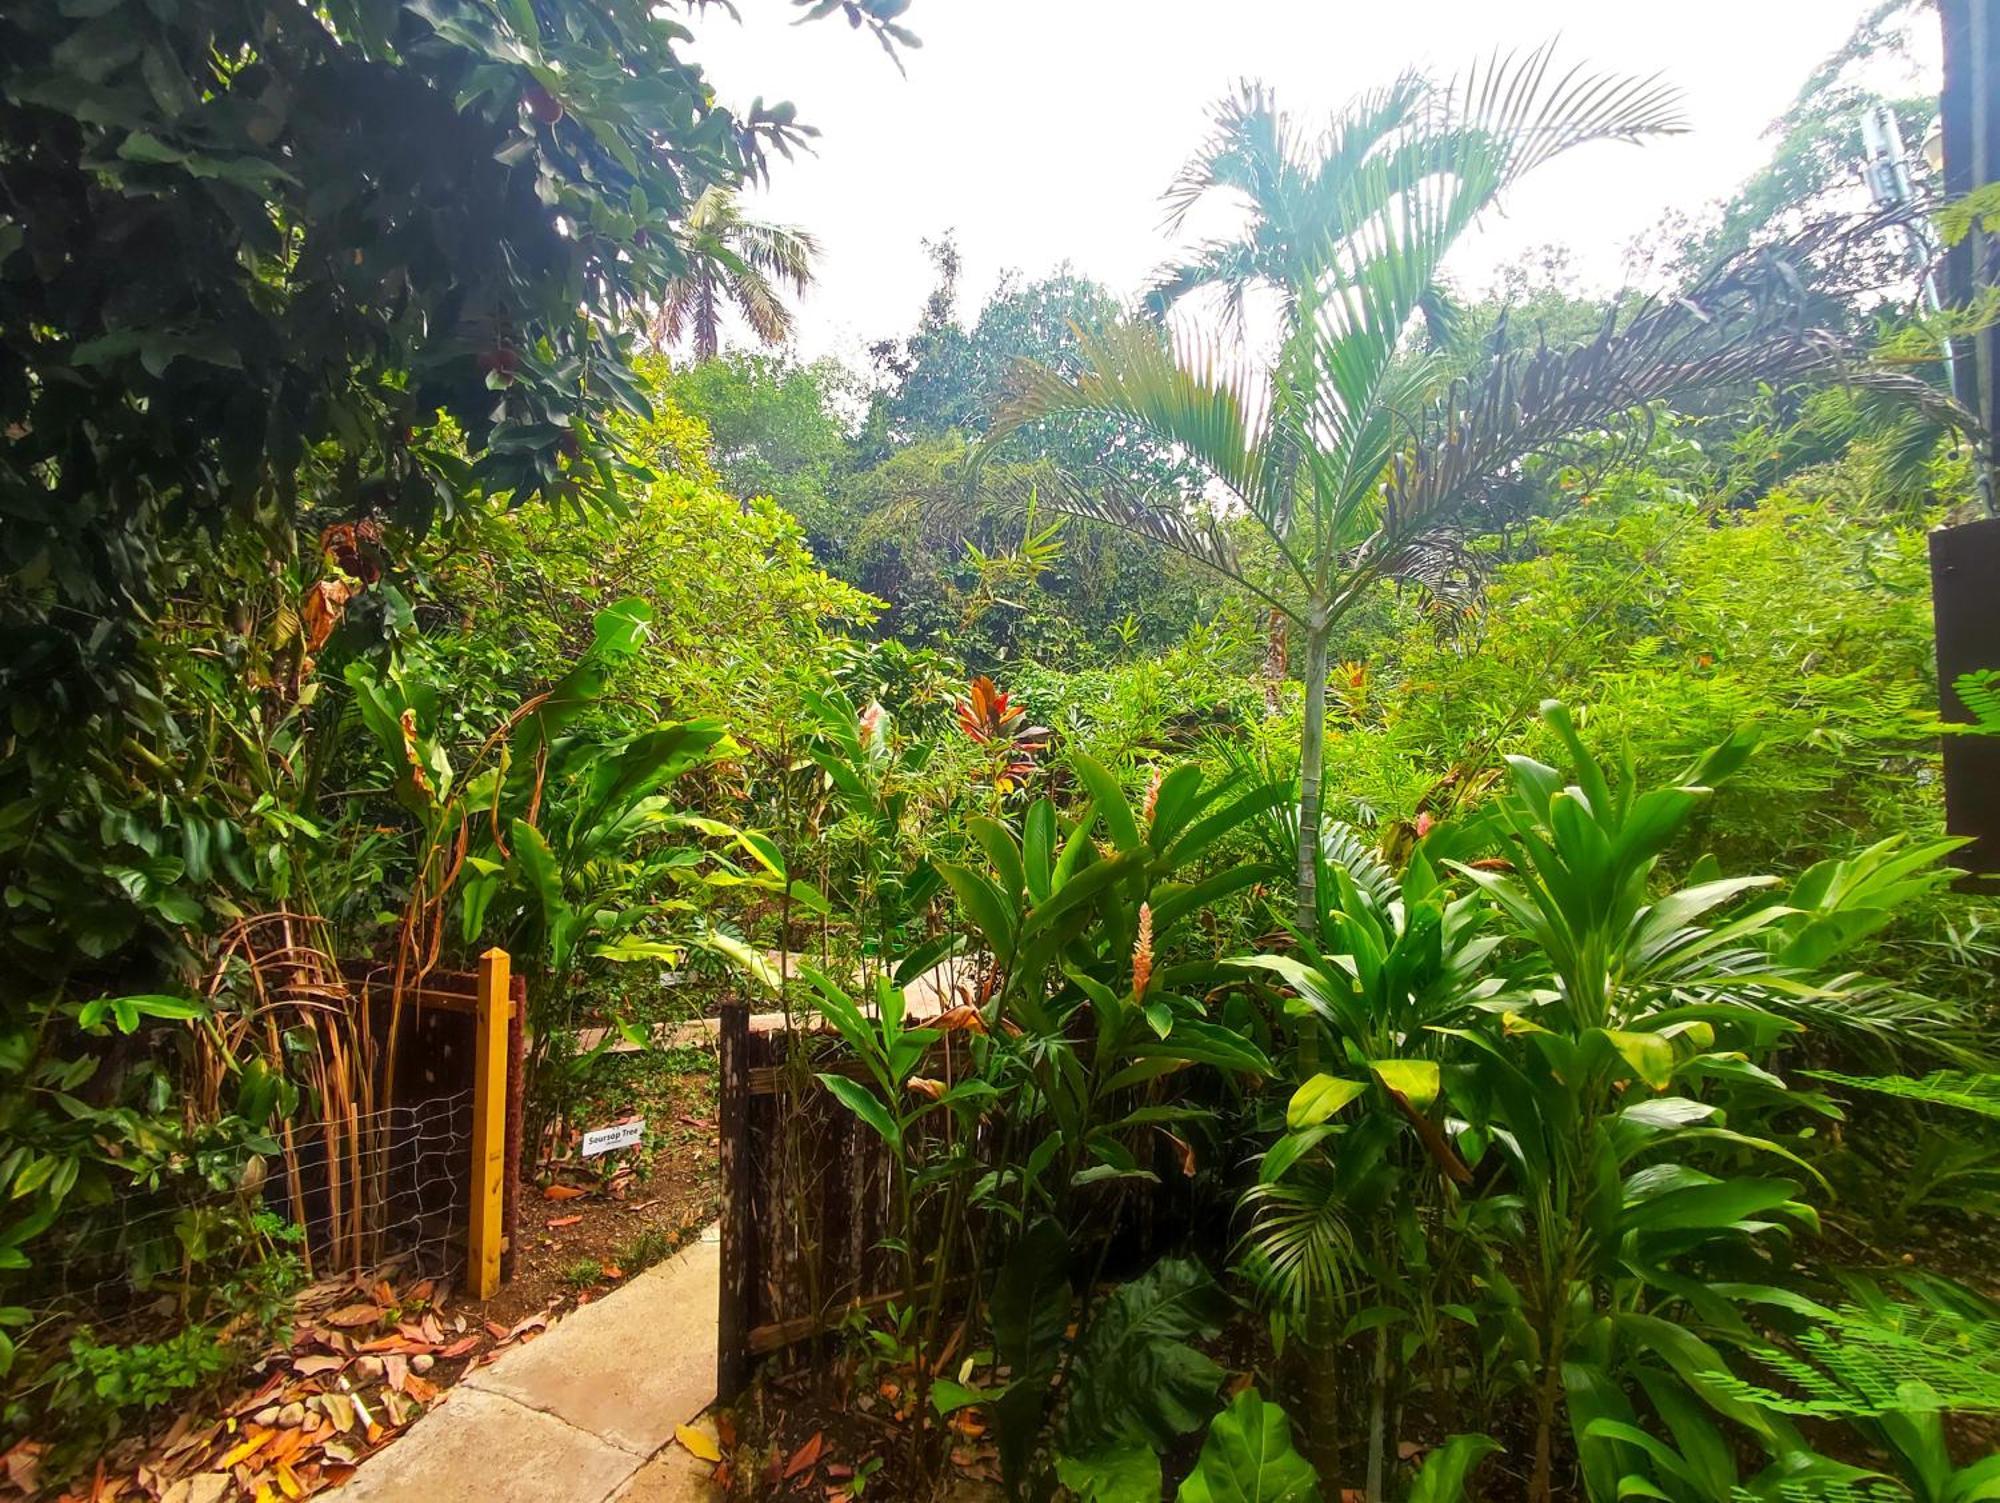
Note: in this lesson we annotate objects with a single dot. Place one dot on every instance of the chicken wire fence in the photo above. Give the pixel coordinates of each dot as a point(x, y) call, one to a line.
point(347, 1192)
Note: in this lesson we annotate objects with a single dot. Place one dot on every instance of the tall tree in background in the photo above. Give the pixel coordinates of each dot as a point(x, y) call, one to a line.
point(732, 261)
point(1348, 453)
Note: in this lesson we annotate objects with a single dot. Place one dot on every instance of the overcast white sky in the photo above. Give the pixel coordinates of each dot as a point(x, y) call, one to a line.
point(1043, 131)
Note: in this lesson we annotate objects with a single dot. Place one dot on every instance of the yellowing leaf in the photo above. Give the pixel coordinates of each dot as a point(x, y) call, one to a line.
point(1416, 1079)
point(697, 1443)
point(1650, 1056)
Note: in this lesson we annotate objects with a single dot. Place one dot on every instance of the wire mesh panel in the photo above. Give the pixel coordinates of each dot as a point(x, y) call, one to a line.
point(134, 1254)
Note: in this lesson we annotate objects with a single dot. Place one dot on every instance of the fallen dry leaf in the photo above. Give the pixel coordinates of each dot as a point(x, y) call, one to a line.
point(563, 1192)
point(249, 1448)
point(697, 1443)
point(557, 1223)
point(806, 1456)
point(526, 1324)
point(349, 1316)
point(339, 1408)
point(459, 1348)
point(313, 1366)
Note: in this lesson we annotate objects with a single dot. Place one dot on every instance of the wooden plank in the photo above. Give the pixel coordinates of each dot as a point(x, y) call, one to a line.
point(738, 1259)
point(778, 1335)
point(517, 1101)
point(489, 1125)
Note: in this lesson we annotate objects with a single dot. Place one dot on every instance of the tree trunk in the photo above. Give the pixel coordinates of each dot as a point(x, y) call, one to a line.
point(1318, 1355)
point(1312, 756)
point(1378, 1392)
point(1277, 661)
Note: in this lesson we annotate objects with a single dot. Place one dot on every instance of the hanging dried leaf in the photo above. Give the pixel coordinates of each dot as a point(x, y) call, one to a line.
point(321, 611)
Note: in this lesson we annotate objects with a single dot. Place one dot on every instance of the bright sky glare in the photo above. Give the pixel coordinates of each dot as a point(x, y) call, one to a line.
point(1043, 131)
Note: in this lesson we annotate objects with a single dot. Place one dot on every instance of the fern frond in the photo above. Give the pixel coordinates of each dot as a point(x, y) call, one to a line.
point(1980, 691)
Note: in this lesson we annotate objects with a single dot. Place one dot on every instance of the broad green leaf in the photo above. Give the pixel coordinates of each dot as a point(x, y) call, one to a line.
point(948, 1397)
point(753, 963)
point(1319, 1098)
point(1441, 1478)
point(1031, 1299)
point(1110, 800)
point(983, 903)
point(998, 842)
point(1249, 1458)
point(1136, 1377)
point(1710, 1207)
point(866, 1105)
point(1122, 1474)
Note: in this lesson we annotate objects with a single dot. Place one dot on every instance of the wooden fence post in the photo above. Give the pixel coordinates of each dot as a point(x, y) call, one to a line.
point(489, 1124)
point(732, 1317)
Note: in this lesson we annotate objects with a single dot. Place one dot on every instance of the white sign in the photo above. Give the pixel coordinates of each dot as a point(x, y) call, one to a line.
point(604, 1139)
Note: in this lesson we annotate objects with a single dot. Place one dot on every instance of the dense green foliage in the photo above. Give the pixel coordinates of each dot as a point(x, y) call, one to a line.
point(1561, 1112)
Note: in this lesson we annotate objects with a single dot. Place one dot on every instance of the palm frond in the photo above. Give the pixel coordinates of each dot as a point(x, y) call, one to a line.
point(1961, 1090)
point(1300, 1252)
point(1741, 326)
point(729, 255)
point(1198, 401)
point(1344, 846)
point(1228, 265)
point(778, 251)
point(1250, 149)
point(1519, 99)
point(758, 301)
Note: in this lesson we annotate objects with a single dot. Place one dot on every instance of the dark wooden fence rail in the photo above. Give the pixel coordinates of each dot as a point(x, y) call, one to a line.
point(807, 1193)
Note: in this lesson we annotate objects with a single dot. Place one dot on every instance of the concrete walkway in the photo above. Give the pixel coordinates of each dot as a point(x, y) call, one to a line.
point(584, 1413)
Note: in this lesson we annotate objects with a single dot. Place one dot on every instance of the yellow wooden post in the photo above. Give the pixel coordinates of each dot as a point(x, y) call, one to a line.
point(489, 1125)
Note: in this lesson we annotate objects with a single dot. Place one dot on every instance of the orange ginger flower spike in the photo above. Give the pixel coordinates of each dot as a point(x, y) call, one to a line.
point(1142, 952)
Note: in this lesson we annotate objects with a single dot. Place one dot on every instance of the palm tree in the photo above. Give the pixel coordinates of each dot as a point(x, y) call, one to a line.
point(1350, 454)
point(1301, 208)
point(732, 259)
